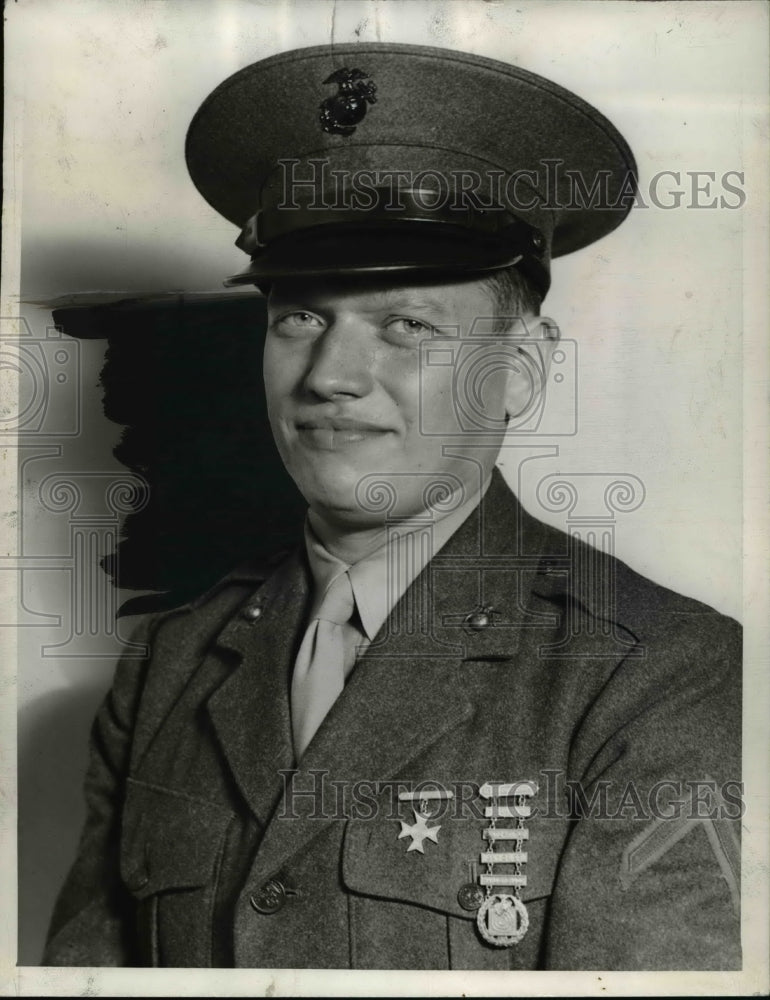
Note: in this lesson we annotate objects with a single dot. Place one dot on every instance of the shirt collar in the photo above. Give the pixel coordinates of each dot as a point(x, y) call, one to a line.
point(324, 567)
point(382, 577)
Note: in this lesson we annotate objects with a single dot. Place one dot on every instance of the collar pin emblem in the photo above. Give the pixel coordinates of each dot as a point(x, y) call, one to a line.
point(481, 617)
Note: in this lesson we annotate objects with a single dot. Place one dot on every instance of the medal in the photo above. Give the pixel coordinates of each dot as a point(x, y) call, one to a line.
point(419, 830)
point(502, 919)
point(470, 895)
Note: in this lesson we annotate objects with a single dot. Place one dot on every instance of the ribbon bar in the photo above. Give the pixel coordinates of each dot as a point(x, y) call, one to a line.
point(431, 793)
point(498, 790)
point(517, 881)
point(505, 833)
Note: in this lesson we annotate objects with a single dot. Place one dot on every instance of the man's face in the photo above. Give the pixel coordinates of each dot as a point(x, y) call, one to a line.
point(351, 404)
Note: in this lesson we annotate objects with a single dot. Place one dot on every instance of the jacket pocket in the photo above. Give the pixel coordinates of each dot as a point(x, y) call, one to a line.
point(171, 851)
point(431, 928)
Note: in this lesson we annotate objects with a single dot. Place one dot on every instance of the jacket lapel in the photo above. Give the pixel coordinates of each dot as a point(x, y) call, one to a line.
point(387, 715)
point(250, 710)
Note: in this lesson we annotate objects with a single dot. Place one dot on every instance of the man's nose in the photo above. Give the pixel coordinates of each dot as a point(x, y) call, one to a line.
point(340, 362)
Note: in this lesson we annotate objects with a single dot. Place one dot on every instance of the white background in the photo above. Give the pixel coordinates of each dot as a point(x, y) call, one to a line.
point(102, 97)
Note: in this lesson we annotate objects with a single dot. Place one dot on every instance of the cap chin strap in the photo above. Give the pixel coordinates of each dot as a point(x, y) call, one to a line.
point(402, 206)
point(261, 274)
point(403, 231)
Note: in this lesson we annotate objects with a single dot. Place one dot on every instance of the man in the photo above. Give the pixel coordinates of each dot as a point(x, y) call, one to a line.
point(438, 733)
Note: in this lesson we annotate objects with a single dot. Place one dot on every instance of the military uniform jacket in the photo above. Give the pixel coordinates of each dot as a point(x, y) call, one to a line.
point(618, 697)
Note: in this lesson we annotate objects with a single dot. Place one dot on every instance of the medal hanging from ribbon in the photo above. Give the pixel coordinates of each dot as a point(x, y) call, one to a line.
point(419, 831)
point(502, 919)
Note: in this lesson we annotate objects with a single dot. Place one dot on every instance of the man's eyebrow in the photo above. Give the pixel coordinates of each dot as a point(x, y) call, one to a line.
point(385, 300)
point(420, 302)
point(406, 300)
point(296, 301)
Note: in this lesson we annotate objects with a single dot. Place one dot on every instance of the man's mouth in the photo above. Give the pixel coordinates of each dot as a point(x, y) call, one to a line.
point(334, 434)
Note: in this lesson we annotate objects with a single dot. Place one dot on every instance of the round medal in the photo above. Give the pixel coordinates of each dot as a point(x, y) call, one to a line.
point(502, 920)
point(470, 896)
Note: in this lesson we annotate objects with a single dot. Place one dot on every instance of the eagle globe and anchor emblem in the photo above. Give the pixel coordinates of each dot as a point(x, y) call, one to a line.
point(344, 110)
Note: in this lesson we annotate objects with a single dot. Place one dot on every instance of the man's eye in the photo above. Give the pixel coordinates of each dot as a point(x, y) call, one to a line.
point(296, 322)
point(410, 327)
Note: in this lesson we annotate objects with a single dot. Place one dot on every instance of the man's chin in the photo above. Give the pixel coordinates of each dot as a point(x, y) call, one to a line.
point(361, 502)
point(364, 499)
point(336, 482)
point(345, 507)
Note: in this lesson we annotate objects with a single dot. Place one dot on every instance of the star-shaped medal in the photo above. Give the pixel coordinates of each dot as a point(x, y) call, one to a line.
point(419, 831)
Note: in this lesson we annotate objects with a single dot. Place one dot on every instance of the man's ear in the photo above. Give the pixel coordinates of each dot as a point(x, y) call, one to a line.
point(535, 339)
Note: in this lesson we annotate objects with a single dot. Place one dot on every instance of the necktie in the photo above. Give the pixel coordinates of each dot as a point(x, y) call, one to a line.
point(319, 671)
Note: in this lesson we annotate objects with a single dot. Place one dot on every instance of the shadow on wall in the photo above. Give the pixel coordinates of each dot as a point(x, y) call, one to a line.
point(183, 374)
point(58, 263)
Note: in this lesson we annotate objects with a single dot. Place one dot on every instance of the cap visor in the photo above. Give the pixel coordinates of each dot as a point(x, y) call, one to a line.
point(402, 247)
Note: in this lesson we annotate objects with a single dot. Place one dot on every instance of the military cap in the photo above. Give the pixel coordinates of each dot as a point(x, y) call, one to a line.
point(375, 157)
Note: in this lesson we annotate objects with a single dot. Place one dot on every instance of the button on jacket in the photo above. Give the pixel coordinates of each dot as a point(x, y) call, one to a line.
point(204, 846)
